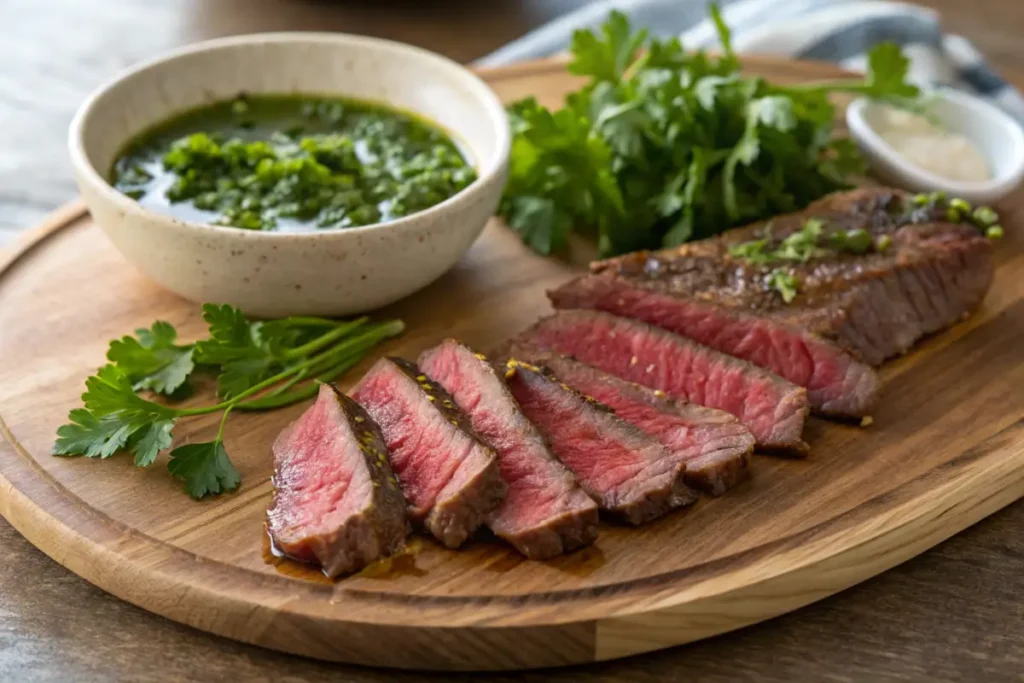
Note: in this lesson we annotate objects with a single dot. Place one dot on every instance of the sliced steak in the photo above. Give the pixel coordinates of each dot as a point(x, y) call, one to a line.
point(628, 472)
point(872, 305)
point(336, 501)
point(836, 382)
point(773, 409)
point(545, 512)
point(449, 477)
point(714, 445)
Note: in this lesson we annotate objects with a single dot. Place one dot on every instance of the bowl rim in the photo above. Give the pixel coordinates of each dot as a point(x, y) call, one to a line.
point(996, 186)
point(492, 167)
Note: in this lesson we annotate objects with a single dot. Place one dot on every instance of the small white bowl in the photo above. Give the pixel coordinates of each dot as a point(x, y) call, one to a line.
point(998, 137)
point(329, 272)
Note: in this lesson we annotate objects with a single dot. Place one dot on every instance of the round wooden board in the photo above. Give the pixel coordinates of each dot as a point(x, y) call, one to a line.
point(946, 449)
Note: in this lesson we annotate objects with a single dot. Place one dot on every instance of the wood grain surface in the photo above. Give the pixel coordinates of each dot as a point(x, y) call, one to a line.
point(952, 614)
point(946, 449)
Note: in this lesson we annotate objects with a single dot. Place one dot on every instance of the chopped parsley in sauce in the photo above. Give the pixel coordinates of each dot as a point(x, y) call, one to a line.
point(292, 163)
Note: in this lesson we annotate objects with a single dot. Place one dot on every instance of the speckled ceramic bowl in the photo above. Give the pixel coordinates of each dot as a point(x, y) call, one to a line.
point(331, 272)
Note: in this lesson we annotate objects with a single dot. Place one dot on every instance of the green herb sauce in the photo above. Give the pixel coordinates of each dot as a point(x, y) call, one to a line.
point(292, 164)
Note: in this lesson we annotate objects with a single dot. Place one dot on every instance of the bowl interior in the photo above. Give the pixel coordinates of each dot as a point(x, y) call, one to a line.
point(315, 64)
point(997, 138)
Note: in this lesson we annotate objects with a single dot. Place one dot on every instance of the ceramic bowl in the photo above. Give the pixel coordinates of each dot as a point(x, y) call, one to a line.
point(998, 136)
point(330, 272)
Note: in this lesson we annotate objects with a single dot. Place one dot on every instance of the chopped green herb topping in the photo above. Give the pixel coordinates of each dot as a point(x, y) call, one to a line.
point(804, 244)
point(927, 206)
point(784, 282)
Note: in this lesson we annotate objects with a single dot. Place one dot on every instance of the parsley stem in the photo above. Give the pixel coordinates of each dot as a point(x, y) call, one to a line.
point(223, 421)
point(270, 381)
point(311, 321)
point(284, 399)
point(324, 339)
point(295, 379)
point(329, 365)
point(834, 86)
point(375, 333)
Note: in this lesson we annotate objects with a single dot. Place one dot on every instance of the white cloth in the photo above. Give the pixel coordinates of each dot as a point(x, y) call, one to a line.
point(840, 31)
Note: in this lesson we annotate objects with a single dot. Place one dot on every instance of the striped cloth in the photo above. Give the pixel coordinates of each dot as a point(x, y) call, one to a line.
point(839, 31)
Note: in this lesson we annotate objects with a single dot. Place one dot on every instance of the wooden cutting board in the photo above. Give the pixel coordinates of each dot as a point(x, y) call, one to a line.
point(946, 449)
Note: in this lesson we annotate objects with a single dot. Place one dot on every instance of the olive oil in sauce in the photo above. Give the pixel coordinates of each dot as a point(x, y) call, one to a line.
point(292, 164)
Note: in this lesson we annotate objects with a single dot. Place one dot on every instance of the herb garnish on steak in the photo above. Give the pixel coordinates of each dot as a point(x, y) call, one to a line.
point(449, 477)
point(545, 512)
point(336, 501)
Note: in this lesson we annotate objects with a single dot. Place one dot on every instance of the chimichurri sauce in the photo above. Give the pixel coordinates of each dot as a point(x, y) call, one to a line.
point(291, 163)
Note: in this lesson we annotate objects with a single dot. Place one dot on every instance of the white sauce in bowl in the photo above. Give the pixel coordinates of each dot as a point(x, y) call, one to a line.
point(922, 143)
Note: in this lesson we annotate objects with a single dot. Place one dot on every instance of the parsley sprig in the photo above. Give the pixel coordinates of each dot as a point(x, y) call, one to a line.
point(662, 146)
point(258, 366)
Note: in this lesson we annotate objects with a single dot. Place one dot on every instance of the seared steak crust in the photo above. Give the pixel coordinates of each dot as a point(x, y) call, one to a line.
point(545, 512)
point(449, 476)
point(628, 472)
point(336, 501)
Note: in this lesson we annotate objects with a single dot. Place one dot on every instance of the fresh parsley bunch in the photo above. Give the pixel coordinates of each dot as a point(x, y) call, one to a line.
point(267, 359)
point(662, 146)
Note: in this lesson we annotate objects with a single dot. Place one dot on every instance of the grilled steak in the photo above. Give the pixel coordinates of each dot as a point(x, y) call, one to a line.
point(545, 512)
point(772, 408)
point(336, 501)
point(713, 444)
point(449, 477)
point(851, 311)
point(627, 471)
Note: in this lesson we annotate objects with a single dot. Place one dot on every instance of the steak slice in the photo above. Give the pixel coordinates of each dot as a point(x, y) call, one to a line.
point(836, 382)
point(772, 408)
point(628, 472)
point(449, 477)
point(336, 501)
point(714, 445)
point(545, 512)
point(873, 305)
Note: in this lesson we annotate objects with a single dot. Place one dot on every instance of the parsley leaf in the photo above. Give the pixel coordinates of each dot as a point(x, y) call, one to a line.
point(606, 57)
point(540, 223)
point(115, 417)
point(559, 159)
point(147, 443)
point(91, 436)
point(244, 355)
point(204, 468)
point(152, 360)
point(887, 73)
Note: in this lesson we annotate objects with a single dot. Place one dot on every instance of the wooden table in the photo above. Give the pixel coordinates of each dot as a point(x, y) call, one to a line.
point(954, 613)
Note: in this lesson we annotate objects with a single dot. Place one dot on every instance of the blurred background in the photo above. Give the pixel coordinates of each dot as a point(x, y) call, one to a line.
point(53, 52)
